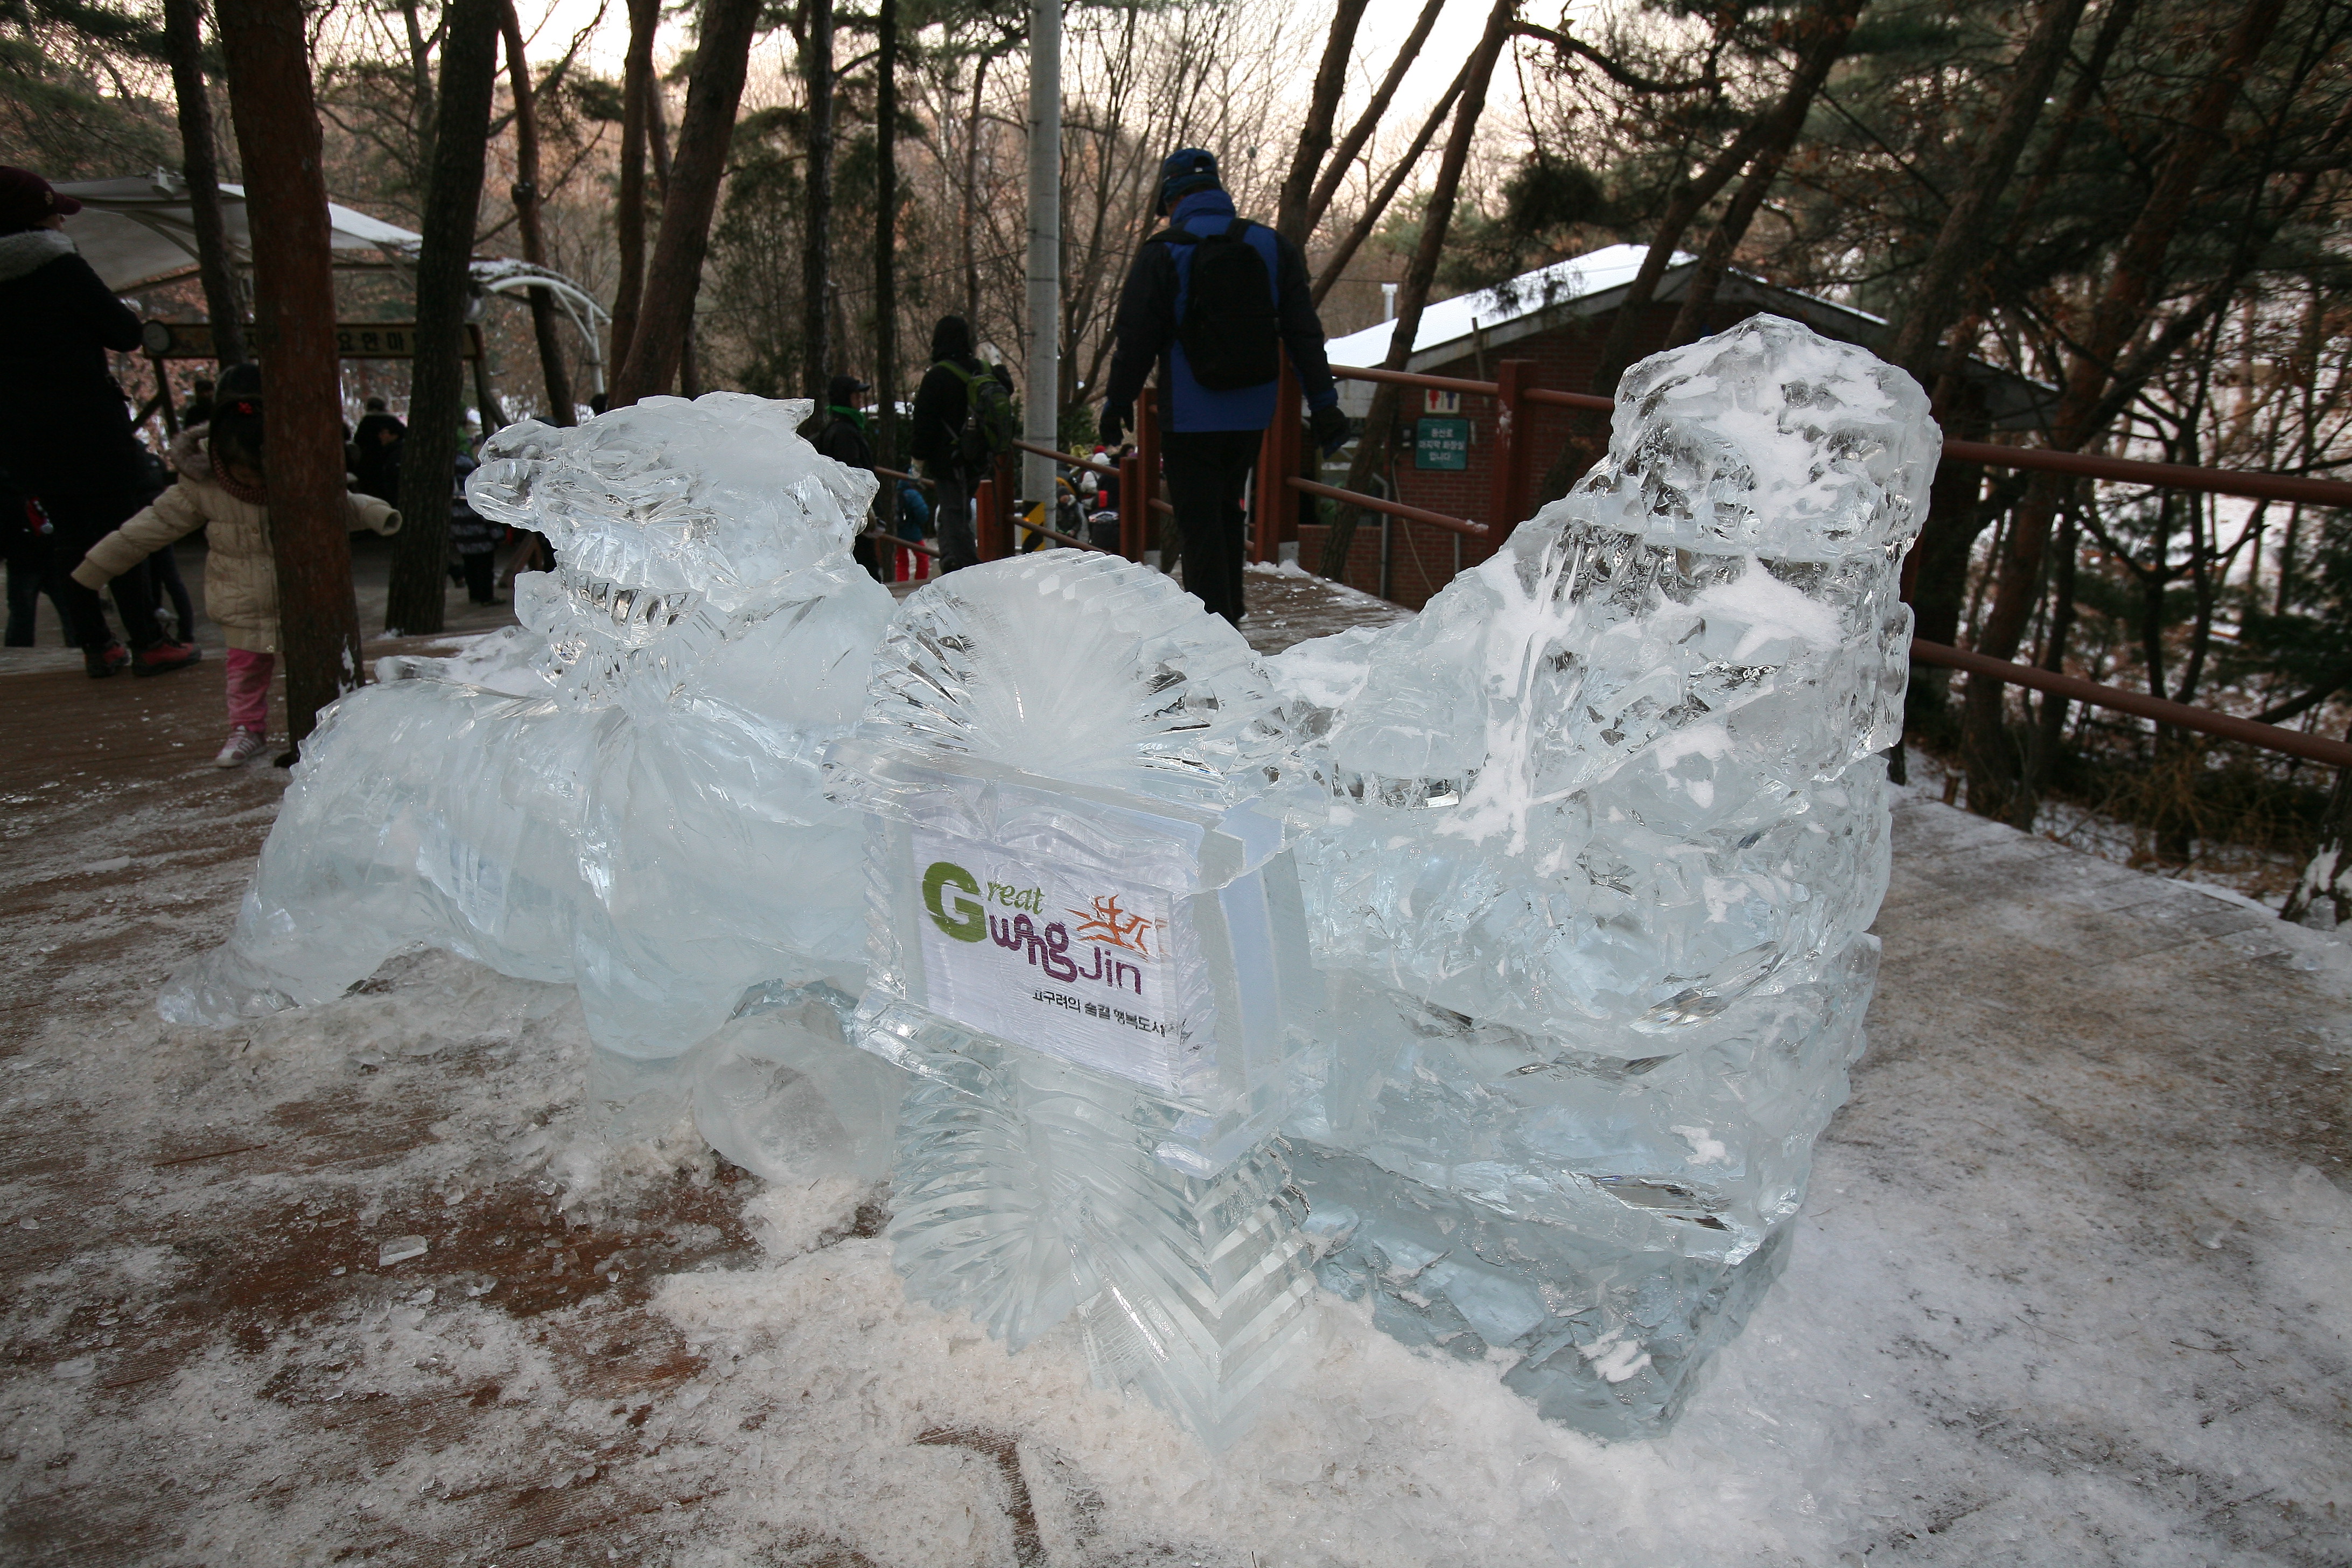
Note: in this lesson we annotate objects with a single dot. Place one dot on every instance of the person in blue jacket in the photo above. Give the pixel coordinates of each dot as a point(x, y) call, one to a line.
point(1209, 434)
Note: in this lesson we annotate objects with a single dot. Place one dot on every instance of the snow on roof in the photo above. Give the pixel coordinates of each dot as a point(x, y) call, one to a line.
point(1582, 286)
point(1444, 320)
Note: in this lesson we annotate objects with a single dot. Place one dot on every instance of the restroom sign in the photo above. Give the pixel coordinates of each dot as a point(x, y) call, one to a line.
point(1442, 444)
point(1436, 402)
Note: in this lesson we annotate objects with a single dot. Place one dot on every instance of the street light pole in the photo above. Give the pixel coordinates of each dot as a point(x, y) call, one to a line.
point(1044, 398)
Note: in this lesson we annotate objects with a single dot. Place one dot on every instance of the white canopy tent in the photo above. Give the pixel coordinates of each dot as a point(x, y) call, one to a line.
point(140, 230)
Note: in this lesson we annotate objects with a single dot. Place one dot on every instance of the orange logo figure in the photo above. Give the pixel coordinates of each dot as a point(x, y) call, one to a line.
point(1107, 922)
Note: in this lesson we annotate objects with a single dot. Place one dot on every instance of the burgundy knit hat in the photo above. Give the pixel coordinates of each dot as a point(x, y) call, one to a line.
point(27, 201)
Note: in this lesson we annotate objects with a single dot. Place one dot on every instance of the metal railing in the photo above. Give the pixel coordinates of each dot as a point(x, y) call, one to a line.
point(1511, 462)
point(2204, 721)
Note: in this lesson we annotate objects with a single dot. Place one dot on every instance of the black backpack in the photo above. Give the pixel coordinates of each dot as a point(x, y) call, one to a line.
point(1231, 332)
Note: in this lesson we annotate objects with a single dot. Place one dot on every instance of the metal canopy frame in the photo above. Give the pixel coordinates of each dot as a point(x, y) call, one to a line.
point(361, 243)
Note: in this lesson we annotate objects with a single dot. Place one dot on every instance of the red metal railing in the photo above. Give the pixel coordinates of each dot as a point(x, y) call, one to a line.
point(1513, 462)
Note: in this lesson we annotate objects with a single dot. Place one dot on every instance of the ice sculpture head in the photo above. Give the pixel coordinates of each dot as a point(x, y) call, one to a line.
point(1765, 440)
point(672, 522)
point(1616, 774)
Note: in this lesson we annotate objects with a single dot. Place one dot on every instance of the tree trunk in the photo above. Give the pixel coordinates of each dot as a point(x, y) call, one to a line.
point(1377, 208)
point(1787, 123)
point(972, 125)
point(816, 233)
point(886, 243)
point(1336, 172)
point(544, 323)
point(266, 47)
point(629, 201)
point(2131, 284)
point(200, 168)
point(1590, 433)
point(690, 380)
point(721, 55)
point(1290, 219)
point(2049, 731)
point(1437, 216)
point(1939, 298)
point(436, 388)
point(2322, 897)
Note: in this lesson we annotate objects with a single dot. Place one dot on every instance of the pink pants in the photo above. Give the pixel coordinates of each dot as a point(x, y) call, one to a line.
point(248, 689)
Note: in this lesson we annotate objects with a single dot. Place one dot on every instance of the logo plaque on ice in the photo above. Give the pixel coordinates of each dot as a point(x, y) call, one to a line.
point(1070, 963)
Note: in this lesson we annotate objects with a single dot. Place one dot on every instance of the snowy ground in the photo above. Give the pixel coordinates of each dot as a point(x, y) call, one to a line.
point(2074, 1285)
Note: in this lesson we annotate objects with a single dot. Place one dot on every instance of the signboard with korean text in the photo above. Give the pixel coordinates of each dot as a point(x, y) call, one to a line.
point(1441, 444)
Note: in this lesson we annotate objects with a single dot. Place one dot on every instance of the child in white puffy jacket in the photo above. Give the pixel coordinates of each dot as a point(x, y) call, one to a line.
point(220, 484)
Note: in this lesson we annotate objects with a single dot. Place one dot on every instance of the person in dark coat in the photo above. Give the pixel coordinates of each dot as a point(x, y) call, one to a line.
point(941, 404)
point(844, 439)
point(65, 432)
point(1209, 438)
point(475, 539)
point(376, 470)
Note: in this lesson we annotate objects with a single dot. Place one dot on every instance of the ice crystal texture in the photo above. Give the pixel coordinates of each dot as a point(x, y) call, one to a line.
point(1089, 946)
point(1592, 846)
point(625, 793)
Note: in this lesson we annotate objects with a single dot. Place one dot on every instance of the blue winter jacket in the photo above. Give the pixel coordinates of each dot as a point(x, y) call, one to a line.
point(1153, 302)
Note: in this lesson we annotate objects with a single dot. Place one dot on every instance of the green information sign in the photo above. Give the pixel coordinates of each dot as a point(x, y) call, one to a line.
point(1441, 444)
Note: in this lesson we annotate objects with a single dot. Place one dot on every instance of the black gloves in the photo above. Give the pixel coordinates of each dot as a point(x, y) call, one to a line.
point(1111, 426)
point(1330, 429)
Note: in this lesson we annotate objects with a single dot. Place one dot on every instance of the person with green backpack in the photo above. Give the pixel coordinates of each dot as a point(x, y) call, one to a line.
point(963, 423)
point(1214, 301)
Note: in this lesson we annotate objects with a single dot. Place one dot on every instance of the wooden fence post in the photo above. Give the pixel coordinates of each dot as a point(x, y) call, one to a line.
point(986, 528)
point(1147, 459)
point(1513, 449)
point(1134, 508)
point(1277, 459)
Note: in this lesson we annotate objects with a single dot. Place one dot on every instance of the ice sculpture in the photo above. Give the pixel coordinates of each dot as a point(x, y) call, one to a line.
point(1090, 947)
point(624, 793)
point(1593, 850)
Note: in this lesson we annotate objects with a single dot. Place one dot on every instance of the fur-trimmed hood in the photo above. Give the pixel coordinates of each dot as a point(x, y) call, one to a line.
point(30, 251)
point(191, 455)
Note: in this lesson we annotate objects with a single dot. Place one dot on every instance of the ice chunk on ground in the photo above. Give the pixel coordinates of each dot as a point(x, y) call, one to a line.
point(1090, 947)
point(400, 1250)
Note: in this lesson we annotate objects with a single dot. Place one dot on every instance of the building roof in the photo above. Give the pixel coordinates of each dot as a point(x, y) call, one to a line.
point(1582, 287)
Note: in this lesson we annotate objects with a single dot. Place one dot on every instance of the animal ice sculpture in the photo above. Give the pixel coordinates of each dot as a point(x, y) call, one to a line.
point(628, 797)
point(1593, 850)
point(1088, 946)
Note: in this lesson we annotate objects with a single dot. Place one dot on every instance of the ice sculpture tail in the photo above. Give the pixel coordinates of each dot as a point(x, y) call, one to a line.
point(1026, 1189)
point(1201, 1318)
